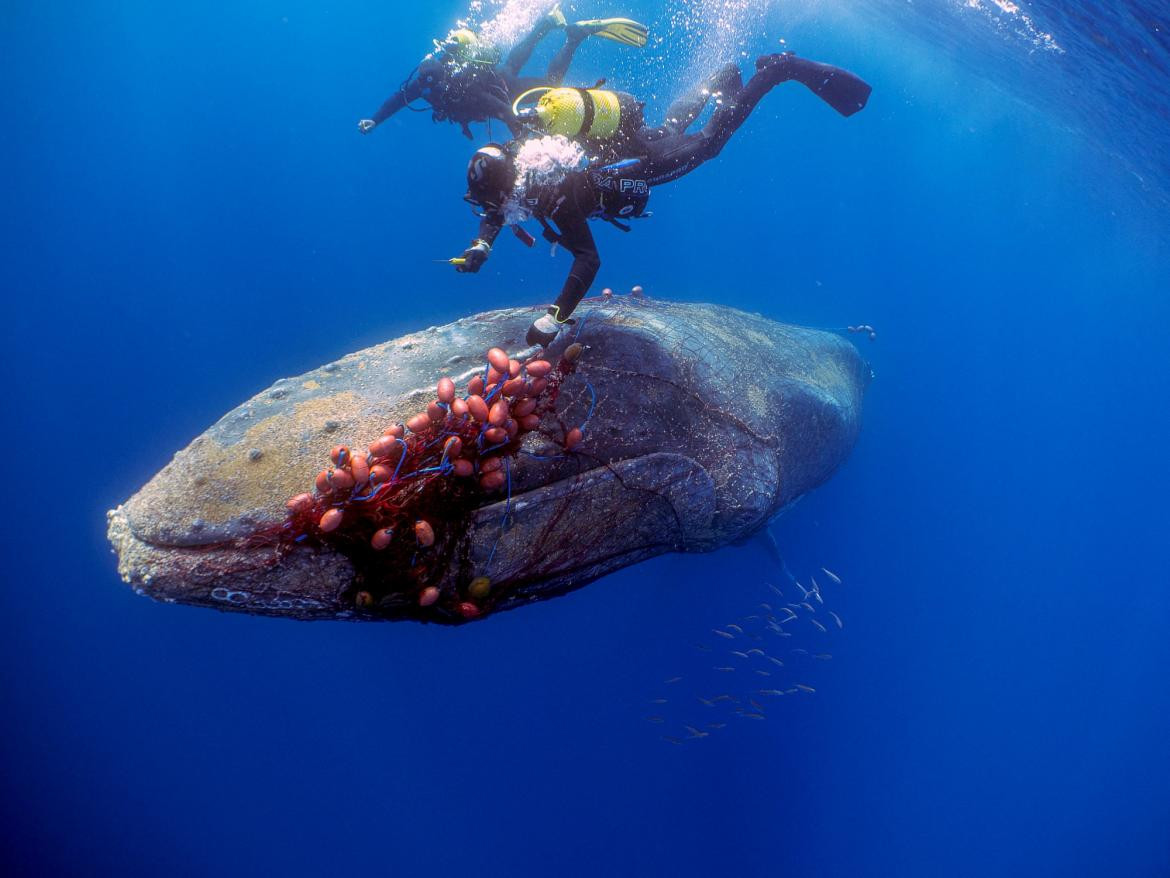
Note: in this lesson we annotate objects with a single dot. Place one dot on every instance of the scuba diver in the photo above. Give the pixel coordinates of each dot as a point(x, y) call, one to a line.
point(463, 80)
point(629, 160)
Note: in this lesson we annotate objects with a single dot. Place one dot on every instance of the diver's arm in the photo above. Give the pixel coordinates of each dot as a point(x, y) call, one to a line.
point(477, 254)
point(409, 93)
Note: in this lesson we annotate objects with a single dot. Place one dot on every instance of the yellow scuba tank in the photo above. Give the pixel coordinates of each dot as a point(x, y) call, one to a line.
point(586, 113)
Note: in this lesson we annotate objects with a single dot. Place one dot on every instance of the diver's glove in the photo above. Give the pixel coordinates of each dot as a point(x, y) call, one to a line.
point(365, 126)
point(474, 257)
point(543, 331)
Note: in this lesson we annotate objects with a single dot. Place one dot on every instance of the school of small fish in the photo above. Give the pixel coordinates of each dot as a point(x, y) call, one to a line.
point(757, 649)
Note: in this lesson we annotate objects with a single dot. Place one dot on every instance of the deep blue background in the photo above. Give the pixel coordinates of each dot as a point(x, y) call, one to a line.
point(189, 214)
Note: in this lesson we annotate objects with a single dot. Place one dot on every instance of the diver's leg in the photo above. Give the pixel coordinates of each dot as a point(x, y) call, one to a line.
point(523, 50)
point(559, 66)
point(771, 70)
point(675, 156)
point(681, 114)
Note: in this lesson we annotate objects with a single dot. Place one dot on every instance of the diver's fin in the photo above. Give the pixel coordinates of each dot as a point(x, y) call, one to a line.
point(621, 30)
point(556, 17)
point(845, 92)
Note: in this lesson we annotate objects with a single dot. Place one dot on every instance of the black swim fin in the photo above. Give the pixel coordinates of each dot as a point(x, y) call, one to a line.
point(845, 92)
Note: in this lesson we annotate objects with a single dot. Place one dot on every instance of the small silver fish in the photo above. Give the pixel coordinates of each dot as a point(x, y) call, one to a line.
point(819, 625)
point(775, 661)
point(738, 653)
point(655, 719)
point(737, 628)
point(658, 701)
point(804, 688)
point(823, 656)
point(696, 733)
point(763, 673)
point(837, 619)
point(755, 650)
point(673, 680)
point(833, 576)
point(753, 716)
point(724, 669)
point(722, 633)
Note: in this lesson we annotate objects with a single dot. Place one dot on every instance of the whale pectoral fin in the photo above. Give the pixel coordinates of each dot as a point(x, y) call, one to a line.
point(569, 533)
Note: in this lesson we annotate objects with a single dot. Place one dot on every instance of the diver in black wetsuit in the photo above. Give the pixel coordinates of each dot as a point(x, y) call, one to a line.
point(464, 82)
point(619, 190)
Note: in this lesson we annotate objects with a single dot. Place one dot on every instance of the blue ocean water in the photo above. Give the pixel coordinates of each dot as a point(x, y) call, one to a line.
point(190, 214)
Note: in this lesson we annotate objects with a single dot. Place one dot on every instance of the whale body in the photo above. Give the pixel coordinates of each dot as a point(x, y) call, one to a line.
point(705, 422)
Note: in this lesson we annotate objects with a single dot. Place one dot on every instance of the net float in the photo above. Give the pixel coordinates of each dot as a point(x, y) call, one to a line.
point(452, 448)
point(574, 438)
point(475, 386)
point(468, 610)
point(360, 468)
point(539, 368)
point(498, 414)
point(498, 360)
point(340, 479)
point(490, 464)
point(436, 412)
point(523, 408)
point(424, 533)
point(428, 596)
point(395, 431)
point(446, 390)
point(530, 422)
point(492, 481)
point(573, 352)
point(513, 368)
point(464, 468)
point(330, 521)
point(299, 503)
point(459, 408)
point(478, 408)
point(480, 587)
point(495, 435)
point(339, 455)
point(420, 423)
point(382, 537)
point(386, 448)
point(363, 600)
point(322, 483)
point(380, 474)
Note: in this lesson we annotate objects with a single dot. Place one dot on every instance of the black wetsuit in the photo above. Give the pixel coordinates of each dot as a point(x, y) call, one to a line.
point(664, 153)
point(463, 92)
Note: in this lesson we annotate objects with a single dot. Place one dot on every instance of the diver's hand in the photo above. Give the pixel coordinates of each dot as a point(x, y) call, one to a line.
point(473, 260)
point(474, 257)
point(365, 126)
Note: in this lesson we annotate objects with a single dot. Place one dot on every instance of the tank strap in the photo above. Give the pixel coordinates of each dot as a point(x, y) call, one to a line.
point(590, 111)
